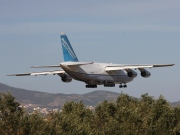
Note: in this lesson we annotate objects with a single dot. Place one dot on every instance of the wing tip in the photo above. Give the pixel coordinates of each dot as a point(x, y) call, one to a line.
point(9, 75)
point(163, 65)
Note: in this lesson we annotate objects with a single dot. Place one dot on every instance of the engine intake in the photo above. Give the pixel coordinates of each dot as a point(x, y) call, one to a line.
point(66, 78)
point(131, 73)
point(145, 73)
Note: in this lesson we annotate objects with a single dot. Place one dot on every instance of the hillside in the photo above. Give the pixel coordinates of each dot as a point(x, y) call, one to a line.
point(57, 100)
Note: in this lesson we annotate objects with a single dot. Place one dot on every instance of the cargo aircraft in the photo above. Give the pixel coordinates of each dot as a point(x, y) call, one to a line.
point(93, 73)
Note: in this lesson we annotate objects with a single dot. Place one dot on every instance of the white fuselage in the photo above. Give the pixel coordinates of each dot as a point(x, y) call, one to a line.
point(95, 73)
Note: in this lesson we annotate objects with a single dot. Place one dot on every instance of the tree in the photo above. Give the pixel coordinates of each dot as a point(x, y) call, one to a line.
point(75, 118)
point(10, 114)
point(126, 115)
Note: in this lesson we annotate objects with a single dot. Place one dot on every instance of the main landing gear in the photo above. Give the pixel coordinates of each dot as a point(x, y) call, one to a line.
point(91, 86)
point(122, 86)
point(109, 85)
point(106, 85)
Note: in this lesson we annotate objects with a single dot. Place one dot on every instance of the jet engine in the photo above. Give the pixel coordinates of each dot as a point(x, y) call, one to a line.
point(145, 73)
point(66, 78)
point(131, 73)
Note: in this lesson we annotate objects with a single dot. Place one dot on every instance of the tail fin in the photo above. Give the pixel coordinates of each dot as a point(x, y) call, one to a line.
point(68, 52)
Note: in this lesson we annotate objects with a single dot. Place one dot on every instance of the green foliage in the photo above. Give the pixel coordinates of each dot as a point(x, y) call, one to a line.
point(75, 118)
point(125, 116)
point(10, 113)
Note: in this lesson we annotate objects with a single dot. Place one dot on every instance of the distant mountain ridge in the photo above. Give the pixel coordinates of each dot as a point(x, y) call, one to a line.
point(57, 100)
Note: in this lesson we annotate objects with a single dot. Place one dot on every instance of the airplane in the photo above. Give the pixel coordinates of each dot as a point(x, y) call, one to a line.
point(93, 73)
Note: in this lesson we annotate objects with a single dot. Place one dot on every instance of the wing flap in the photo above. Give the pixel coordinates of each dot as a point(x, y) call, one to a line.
point(60, 72)
point(125, 67)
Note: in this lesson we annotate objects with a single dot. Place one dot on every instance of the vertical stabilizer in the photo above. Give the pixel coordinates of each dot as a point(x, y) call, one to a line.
point(68, 52)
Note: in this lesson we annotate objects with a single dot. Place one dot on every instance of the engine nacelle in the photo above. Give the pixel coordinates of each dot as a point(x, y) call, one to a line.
point(131, 73)
point(66, 78)
point(145, 73)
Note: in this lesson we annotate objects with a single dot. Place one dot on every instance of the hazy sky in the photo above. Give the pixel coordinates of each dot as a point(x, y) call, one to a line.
point(123, 32)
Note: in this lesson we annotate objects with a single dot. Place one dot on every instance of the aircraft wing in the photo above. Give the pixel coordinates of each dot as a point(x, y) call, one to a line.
point(59, 72)
point(126, 67)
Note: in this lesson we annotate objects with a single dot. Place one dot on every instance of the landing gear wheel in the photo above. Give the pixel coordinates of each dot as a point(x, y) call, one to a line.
point(109, 85)
point(91, 86)
point(120, 86)
point(125, 86)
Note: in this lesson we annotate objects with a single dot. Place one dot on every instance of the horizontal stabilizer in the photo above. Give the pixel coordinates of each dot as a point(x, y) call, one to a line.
point(78, 63)
point(50, 66)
